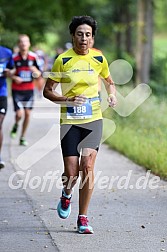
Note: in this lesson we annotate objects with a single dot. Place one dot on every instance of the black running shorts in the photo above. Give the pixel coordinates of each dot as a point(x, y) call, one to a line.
point(23, 99)
point(3, 105)
point(76, 137)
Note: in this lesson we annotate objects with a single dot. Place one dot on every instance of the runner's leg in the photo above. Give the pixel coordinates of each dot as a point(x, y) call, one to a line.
point(26, 120)
point(87, 180)
point(71, 173)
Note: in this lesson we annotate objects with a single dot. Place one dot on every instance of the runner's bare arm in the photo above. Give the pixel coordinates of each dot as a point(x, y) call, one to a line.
point(111, 90)
point(9, 72)
point(36, 73)
point(109, 85)
point(50, 93)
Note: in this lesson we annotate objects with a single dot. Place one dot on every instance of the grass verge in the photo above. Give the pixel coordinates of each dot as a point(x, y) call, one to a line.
point(142, 136)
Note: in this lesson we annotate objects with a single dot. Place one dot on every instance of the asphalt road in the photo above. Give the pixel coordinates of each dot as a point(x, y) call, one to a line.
point(127, 211)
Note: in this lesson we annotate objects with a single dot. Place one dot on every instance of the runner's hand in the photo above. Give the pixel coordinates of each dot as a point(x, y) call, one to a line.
point(7, 73)
point(112, 100)
point(35, 72)
point(77, 100)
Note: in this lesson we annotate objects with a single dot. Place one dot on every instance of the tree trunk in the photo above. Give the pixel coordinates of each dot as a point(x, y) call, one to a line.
point(144, 41)
point(128, 33)
point(118, 44)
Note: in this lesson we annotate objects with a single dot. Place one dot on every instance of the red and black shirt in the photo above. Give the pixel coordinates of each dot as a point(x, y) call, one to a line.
point(23, 70)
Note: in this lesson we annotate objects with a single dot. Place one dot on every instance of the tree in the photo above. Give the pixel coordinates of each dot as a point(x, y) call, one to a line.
point(33, 17)
point(144, 40)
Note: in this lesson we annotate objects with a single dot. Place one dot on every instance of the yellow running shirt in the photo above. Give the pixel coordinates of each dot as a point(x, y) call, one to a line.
point(78, 74)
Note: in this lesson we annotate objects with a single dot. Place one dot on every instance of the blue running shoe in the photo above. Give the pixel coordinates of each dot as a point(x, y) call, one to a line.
point(83, 227)
point(64, 207)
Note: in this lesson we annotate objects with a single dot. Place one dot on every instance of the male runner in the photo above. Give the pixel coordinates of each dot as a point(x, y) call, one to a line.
point(22, 86)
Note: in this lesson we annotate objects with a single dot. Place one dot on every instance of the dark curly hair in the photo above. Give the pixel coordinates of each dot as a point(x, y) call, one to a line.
point(79, 20)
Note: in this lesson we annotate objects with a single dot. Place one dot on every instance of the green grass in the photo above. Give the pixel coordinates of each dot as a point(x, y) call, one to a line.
point(159, 45)
point(142, 136)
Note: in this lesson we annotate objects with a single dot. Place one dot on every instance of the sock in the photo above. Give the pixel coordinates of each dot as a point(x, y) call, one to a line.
point(66, 195)
point(82, 215)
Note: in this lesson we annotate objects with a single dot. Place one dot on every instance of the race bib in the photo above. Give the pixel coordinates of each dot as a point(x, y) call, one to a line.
point(25, 75)
point(80, 112)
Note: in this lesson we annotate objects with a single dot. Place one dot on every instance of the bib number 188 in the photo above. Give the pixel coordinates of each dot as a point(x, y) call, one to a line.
point(80, 112)
point(79, 109)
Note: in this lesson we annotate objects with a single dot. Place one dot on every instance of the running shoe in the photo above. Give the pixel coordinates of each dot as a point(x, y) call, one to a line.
point(64, 207)
point(23, 142)
point(83, 227)
point(2, 164)
point(14, 131)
